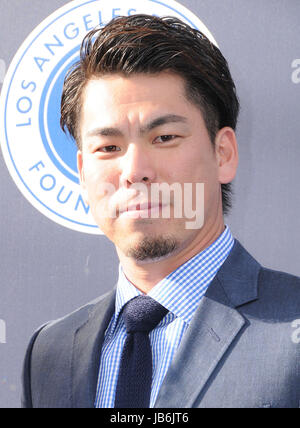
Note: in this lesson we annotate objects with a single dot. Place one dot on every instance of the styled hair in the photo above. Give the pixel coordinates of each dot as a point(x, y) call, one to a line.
point(151, 45)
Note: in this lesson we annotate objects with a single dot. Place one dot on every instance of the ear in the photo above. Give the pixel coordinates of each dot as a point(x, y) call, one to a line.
point(82, 177)
point(226, 151)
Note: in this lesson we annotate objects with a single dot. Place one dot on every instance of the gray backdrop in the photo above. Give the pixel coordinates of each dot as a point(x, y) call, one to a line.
point(48, 270)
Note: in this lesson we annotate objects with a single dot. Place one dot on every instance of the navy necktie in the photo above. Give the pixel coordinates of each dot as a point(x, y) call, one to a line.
point(141, 315)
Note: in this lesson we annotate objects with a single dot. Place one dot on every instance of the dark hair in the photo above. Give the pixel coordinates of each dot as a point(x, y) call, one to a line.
point(148, 44)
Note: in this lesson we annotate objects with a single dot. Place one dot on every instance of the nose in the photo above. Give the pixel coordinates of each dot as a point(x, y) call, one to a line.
point(137, 166)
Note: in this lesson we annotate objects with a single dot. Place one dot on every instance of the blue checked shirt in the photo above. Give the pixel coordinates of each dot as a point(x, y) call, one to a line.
point(180, 292)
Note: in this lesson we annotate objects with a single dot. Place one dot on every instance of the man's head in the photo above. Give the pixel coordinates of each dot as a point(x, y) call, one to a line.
point(146, 44)
point(151, 101)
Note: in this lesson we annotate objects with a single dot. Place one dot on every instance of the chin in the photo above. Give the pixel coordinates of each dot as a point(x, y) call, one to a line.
point(152, 249)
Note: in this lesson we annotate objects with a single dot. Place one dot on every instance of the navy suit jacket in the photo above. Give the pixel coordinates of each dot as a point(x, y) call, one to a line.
point(240, 350)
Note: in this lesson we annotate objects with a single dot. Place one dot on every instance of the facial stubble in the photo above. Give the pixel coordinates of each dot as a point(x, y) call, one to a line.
point(152, 249)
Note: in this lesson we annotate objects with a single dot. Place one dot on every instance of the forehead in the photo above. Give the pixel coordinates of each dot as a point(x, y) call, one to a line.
point(114, 97)
point(117, 88)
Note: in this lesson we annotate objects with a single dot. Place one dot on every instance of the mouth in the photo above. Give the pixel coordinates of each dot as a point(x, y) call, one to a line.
point(143, 210)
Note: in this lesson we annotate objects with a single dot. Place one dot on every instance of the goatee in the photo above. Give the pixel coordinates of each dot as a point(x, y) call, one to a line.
point(152, 249)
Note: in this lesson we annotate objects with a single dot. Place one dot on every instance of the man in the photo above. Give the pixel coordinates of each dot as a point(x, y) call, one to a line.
point(152, 102)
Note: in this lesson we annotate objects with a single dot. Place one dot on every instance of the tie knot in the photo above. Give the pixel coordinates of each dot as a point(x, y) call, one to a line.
point(142, 314)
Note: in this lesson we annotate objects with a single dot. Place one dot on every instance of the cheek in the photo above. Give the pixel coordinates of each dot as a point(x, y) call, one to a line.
point(202, 168)
point(197, 169)
point(101, 183)
point(99, 180)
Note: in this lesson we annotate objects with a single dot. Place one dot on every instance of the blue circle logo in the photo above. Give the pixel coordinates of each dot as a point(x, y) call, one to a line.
point(61, 152)
point(40, 157)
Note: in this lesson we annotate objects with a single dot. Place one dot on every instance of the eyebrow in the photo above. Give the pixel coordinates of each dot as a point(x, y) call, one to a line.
point(169, 118)
point(155, 123)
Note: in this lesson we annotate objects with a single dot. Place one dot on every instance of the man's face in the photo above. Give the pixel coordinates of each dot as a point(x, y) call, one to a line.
point(142, 130)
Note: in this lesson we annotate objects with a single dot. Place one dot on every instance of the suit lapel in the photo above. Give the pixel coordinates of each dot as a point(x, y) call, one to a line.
point(86, 352)
point(214, 328)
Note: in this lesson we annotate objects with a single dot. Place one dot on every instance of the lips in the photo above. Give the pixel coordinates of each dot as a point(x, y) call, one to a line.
point(146, 206)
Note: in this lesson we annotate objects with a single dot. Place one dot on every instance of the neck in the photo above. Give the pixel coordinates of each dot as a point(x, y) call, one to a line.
point(145, 275)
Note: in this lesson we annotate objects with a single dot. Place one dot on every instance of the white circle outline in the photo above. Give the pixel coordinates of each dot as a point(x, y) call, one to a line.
point(20, 54)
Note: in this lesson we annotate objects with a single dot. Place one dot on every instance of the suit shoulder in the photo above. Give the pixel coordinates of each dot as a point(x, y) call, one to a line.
point(280, 292)
point(49, 354)
point(67, 325)
point(282, 280)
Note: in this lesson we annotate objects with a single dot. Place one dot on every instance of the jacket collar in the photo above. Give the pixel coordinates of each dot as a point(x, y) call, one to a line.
point(238, 278)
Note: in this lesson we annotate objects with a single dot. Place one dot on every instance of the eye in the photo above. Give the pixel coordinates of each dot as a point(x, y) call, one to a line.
point(109, 149)
point(164, 138)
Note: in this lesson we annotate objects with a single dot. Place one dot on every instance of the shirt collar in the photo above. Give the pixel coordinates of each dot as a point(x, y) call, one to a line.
point(181, 291)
